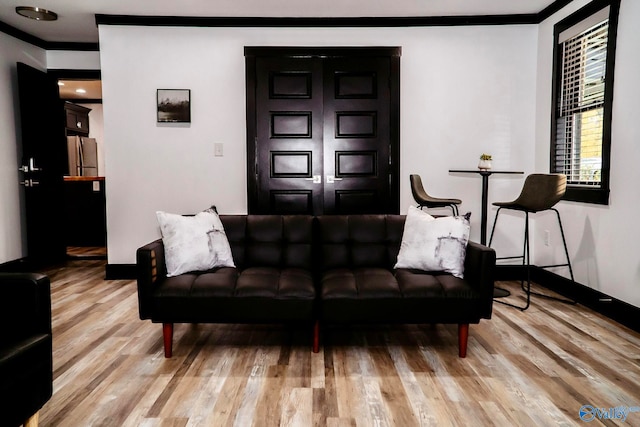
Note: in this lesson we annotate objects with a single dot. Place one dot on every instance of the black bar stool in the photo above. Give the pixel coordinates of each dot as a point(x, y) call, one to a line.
point(425, 200)
point(540, 192)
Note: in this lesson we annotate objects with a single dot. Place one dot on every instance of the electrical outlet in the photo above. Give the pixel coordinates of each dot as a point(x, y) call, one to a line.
point(218, 149)
point(547, 238)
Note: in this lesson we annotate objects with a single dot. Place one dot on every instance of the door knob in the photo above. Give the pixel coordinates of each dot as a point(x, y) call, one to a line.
point(331, 179)
point(317, 179)
point(24, 168)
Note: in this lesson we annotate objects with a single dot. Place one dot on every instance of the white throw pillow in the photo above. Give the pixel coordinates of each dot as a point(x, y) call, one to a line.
point(434, 244)
point(219, 242)
point(194, 243)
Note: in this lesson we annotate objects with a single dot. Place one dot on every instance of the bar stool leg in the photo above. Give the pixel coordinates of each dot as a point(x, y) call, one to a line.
point(526, 262)
point(564, 242)
point(497, 292)
point(568, 264)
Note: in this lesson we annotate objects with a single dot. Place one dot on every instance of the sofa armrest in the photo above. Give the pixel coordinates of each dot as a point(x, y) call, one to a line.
point(25, 305)
point(479, 270)
point(150, 270)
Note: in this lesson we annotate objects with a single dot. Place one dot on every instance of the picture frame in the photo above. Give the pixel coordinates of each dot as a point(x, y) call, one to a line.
point(173, 105)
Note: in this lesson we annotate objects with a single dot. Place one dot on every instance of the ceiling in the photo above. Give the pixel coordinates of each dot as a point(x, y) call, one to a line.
point(79, 90)
point(76, 18)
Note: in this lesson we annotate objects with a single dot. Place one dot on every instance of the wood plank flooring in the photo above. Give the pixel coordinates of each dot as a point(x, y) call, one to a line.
point(87, 252)
point(533, 368)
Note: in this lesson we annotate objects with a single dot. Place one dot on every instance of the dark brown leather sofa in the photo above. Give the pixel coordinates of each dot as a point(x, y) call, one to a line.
point(26, 362)
point(320, 270)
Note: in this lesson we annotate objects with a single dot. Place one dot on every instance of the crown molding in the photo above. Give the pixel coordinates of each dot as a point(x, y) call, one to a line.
point(308, 22)
point(192, 21)
point(84, 47)
point(21, 35)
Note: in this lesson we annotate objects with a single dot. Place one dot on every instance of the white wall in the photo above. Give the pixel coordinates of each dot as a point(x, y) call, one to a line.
point(601, 239)
point(464, 91)
point(12, 228)
point(73, 60)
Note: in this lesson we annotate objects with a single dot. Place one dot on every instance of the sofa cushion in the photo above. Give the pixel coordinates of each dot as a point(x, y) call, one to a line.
point(215, 283)
point(262, 282)
point(369, 295)
point(270, 240)
point(359, 283)
point(275, 283)
point(421, 284)
point(377, 283)
point(359, 241)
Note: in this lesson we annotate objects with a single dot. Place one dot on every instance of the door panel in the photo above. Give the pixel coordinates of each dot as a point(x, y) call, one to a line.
point(323, 130)
point(288, 136)
point(357, 135)
point(44, 162)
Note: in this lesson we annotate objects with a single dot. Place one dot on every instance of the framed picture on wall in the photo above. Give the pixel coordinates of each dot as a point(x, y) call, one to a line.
point(174, 105)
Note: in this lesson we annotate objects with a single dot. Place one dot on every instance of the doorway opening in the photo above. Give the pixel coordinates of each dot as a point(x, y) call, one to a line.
point(80, 93)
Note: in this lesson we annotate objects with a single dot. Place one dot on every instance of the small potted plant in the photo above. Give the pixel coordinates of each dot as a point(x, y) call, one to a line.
point(485, 161)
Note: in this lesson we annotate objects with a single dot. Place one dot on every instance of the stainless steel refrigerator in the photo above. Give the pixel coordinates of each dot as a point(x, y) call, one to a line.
point(83, 156)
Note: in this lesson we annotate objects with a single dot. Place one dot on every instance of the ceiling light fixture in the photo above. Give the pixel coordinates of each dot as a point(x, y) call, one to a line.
point(36, 13)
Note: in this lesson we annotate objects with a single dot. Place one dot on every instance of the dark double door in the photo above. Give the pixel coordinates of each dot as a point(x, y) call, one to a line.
point(323, 130)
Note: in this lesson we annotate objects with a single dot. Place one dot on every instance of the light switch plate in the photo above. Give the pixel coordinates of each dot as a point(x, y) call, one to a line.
point(218, 149)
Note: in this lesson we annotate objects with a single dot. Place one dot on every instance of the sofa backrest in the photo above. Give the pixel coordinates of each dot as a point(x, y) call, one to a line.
point(355, 241)
point(270, 240)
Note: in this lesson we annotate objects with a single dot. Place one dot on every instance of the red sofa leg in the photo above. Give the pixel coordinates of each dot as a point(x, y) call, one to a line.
point(167, 334)
point(316, 336)
point(463, 336)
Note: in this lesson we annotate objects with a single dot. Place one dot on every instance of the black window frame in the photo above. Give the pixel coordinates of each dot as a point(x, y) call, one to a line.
point(578, 193)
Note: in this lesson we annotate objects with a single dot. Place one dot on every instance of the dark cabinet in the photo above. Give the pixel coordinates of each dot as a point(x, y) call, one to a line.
point(77, 119)
point(85, 213)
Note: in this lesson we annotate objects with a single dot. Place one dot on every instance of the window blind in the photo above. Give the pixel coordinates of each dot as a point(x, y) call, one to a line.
point(580, 115)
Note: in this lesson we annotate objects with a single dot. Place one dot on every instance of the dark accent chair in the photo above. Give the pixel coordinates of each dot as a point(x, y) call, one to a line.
point(26, 358)
point(425, 200)
point(540, 192)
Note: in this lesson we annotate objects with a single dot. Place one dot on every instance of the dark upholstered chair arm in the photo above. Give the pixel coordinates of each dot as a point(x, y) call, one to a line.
point(26, 357)
point(479, 270)
point(25, 305)
point(150, 269)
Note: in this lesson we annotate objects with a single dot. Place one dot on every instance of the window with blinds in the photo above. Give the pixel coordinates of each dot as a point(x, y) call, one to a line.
point(579, 124)
point(584, 56)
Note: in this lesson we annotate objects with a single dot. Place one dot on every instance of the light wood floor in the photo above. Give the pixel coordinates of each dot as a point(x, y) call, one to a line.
point(94, 252)
point(536, 368)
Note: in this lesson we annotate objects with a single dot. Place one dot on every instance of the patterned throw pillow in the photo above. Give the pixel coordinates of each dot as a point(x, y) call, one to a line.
point(434, 244)
point(194, 243)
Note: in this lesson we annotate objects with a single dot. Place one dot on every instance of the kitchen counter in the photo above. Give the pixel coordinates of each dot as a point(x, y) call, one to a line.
point(83, 178)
